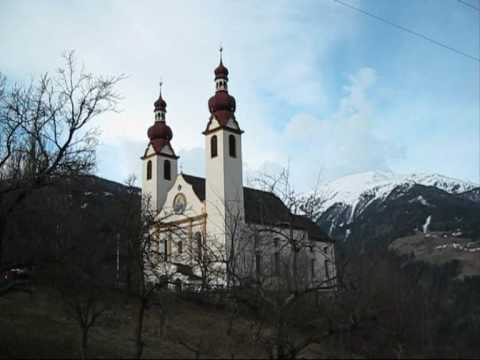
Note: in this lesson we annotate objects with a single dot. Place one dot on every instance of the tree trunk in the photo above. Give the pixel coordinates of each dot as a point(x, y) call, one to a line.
point(4, 216)
point(3, 227)
point(128, 275)
point(204, 281)
point(84, 343)
point(139, 329)
point(163, 323)
point(295, 269)
point(279, 341)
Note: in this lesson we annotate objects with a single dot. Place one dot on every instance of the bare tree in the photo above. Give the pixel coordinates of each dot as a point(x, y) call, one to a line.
point(131, 216)
point(76, 268)
point(273, 270)
point(207, 258)
point(147, 263)
point(83, 299)
point(140, 238)
point(198, 346)
point(46, 130)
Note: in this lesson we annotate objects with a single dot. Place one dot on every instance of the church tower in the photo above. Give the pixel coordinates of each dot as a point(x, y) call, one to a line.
point(223, 160)
point(159, 159)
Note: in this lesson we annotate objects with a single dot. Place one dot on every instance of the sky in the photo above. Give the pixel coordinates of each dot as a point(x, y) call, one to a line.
point(320, 88)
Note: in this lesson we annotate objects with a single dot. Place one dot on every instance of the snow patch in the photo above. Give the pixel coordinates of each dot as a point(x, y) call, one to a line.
point(427, 224)
point(352, 211)
point(347, 234)
point(448, 184)
point(421, 200)
point(332, 226)
point(457, 246)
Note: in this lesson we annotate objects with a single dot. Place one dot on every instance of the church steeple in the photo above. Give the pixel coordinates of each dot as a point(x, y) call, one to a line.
point(160, 106)
point(160, 133)
point(222, 105)
point(223, 161)
point(160, 161)
point(221, 75)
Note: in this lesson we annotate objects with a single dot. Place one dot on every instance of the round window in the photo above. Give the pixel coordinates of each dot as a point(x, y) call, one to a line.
point(179, 204)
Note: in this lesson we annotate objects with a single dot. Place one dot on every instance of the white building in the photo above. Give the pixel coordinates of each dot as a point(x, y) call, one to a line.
point(218, 214)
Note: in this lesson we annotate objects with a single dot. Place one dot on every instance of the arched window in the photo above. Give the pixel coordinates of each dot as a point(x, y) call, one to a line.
point(213, 146)
point(180, 247)
point(276, 256)
point(197, 237)
point(258, 263)
point(327, 270)
point(167, 248)
point(167, 170)
point(149, 169)
point(276, 263)
point(232, 146)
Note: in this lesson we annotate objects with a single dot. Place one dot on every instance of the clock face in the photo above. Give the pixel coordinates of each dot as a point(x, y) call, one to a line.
point(179, 204)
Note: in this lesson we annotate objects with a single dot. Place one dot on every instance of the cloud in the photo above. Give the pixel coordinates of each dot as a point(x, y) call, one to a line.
point(314, 148)
point(287, 64)
point(192, 161)
point(356, 101)
point(117, 160)
point(343, 143)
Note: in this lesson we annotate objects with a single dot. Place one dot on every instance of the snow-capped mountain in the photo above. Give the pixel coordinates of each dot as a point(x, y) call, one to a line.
point(357, 191)
point(384, 204)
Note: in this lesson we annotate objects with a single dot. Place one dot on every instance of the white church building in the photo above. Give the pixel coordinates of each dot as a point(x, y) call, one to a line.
point(249, 229)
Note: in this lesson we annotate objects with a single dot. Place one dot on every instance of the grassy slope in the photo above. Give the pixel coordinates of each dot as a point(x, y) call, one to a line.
point(437, 248)
point(37, 326)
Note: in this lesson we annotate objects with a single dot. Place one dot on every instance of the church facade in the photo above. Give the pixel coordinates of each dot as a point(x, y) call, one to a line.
point(215, 224)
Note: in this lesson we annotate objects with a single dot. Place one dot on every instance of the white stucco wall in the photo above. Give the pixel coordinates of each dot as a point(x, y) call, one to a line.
point(194, 206)
point(224, 184)
point(260, 240)
point(157, 187)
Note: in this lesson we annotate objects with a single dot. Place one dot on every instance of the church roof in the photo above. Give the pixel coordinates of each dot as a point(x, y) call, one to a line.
point(198, 185)
point(222, 105)
point(263, 207)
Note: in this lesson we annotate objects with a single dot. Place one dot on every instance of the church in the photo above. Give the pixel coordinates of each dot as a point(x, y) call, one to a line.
point(215, 226)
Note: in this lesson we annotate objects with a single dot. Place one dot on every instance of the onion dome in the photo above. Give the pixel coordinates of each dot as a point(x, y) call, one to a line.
point(222, 105)
point(160, 130)
point(160, 104)
point(221, 72)
point(221, 101)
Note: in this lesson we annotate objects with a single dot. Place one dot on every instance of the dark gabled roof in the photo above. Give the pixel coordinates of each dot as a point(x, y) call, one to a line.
point(263, 207)
point(314, 231)
point(198, 185)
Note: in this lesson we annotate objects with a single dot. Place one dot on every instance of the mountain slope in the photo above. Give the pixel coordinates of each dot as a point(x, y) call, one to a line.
point(357, 191)
point(381, 206)
point(84, 213)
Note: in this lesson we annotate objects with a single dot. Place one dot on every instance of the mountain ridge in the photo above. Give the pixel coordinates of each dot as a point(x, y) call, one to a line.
point(372, 210)
point(355, 192)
